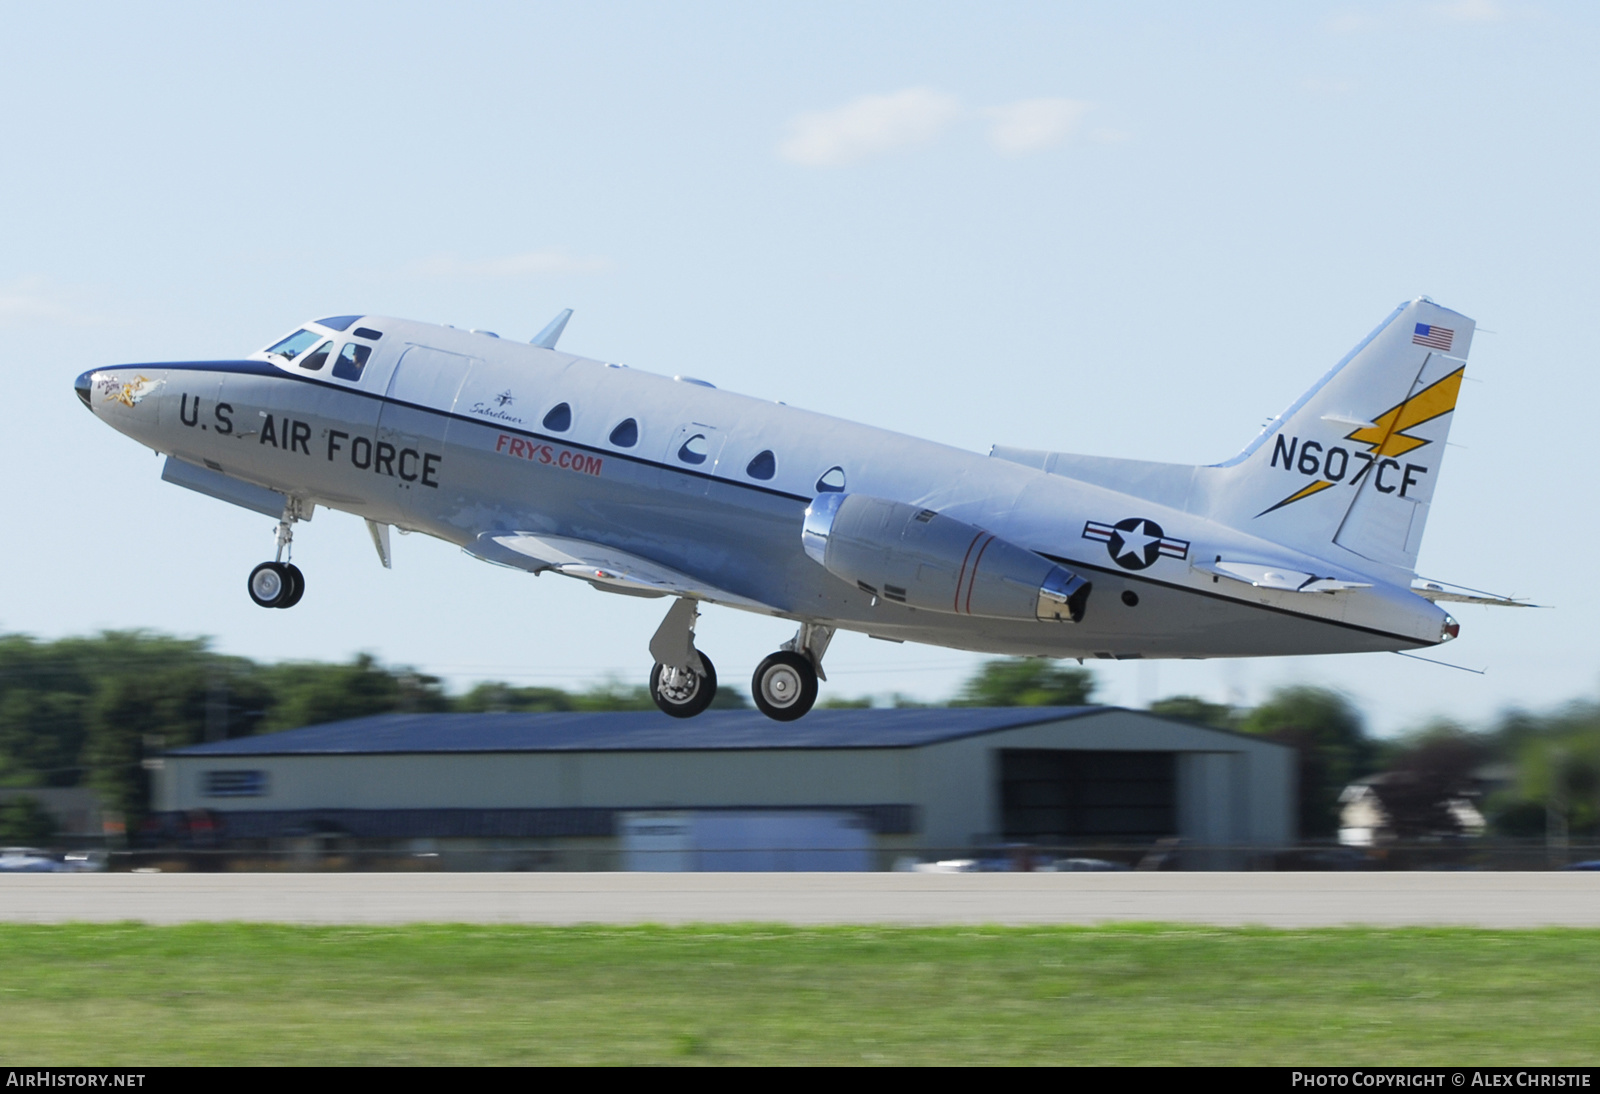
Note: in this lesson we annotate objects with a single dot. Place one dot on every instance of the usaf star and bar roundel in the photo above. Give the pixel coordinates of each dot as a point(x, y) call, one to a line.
point(1136, 542)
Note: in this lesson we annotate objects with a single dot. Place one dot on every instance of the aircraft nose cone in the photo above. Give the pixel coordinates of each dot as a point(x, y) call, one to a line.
point(81, 386)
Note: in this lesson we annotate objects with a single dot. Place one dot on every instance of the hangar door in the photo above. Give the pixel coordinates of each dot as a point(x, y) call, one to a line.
point(1061, 793)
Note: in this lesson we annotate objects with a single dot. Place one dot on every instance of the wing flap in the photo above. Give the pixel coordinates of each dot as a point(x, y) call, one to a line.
point(610, 569)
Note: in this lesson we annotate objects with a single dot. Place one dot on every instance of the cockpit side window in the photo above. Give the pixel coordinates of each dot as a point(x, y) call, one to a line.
point(318, 357)
point(626, 435)
point(296, 344)
point(352, 359)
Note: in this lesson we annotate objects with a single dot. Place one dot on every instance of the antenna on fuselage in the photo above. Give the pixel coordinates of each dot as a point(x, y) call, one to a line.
point(547, 338)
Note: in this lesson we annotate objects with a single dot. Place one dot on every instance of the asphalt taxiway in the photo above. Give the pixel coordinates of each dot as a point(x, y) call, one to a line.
point(1283, 900)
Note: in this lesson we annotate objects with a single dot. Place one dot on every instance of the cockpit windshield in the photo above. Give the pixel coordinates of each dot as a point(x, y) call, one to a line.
point(296, 344)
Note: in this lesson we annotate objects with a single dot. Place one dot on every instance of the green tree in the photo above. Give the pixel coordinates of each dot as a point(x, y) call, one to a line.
point(42, 734)
point(1556, 758)
point(1327, 734)
point(125, 724)
point(1026, 682)
point(491, 695)
point(1196, 711)
point(308, 694)
point(1424, 774)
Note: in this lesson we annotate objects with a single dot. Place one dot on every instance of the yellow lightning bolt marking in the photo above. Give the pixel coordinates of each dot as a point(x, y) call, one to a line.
point(1387, 437)
point(1304, 492)
point(1387, 434)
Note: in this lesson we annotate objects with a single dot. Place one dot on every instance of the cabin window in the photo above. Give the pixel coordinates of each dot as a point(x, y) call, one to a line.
point(296, 344)
point(559, 420)
point(352, 359)
point(368, 332)
point(626, 435)
point(763, 467)
point(694, 449)
point(318, 357)
point(338, 322)
point(832, 481)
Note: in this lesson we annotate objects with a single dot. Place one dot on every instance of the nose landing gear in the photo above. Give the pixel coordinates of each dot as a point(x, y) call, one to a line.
point(280, 584)
point(277, 584)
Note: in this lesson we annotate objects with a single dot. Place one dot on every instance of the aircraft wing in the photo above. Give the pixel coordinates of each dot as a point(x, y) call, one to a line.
point(608, 568)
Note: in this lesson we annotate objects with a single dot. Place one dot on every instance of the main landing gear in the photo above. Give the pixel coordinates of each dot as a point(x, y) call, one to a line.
point(684, 681)
point(785, 683)
point(279, 584)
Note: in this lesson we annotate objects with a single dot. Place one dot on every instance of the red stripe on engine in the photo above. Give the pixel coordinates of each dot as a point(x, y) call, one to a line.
point(955, 605)
point(974, 580)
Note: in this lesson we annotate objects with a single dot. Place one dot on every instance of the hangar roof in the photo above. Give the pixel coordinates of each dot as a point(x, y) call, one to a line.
point(636, 731)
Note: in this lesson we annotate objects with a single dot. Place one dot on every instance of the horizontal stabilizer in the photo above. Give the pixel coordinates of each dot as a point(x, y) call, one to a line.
point(1276, 577)
point(606, 568)
point(1457, 594)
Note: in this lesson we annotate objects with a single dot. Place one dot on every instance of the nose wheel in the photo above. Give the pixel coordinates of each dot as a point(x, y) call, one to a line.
point(280, 584)
point(277, 585)
point(784, 686)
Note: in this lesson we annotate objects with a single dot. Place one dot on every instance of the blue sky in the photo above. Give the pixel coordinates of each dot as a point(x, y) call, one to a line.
point(1132, 230)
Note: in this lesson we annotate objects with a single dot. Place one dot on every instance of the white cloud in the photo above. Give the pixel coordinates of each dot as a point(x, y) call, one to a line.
point(1032, 124)
point(31, 300)
point(869, 126)
point(1471, 11)
point(528, 264)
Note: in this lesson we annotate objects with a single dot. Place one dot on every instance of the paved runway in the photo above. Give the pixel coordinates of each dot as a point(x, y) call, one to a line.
point(1266, 899)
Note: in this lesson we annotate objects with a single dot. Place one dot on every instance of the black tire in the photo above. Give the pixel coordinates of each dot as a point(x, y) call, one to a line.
point(687, 701)
point(297, 585)
point(269, 586)
point(784, 686)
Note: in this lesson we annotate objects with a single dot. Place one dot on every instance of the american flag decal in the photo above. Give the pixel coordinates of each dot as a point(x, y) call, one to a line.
point(1433, 337)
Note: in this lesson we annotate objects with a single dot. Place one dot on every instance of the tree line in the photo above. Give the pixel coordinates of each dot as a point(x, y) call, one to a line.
point(91, 711)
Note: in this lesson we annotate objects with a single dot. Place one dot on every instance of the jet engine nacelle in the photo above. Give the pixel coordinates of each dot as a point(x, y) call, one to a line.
point(922, 559)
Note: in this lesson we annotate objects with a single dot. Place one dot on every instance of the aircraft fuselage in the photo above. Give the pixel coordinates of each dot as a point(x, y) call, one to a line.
point(459, 435)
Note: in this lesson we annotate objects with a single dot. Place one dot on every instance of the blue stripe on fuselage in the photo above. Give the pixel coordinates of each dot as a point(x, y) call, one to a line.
point(262, 368)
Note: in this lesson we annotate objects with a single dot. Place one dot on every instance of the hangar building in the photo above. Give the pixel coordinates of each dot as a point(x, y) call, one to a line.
point(841, 789)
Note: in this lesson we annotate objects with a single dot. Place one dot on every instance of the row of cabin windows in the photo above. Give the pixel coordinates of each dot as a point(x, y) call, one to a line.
point(693, 451)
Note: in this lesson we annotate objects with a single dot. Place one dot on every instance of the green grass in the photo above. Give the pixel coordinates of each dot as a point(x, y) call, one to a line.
point(130, 995)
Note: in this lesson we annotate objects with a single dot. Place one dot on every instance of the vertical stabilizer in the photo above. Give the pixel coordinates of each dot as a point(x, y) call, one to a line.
point(1353, 463)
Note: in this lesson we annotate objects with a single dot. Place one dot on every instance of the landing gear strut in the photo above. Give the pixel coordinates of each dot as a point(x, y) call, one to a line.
point(684, 681)
point(280, 584)
point(785, 684)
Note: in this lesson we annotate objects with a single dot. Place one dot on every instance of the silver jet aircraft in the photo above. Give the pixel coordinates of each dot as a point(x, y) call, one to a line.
point(525, 456)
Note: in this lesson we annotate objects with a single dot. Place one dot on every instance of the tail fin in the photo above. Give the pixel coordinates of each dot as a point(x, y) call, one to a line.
point(1354, 461)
